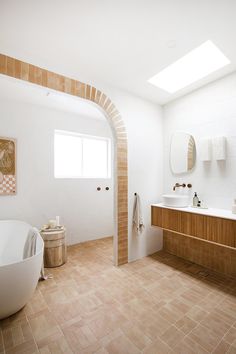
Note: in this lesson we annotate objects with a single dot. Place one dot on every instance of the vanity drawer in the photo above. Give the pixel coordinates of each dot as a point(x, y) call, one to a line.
point(166, 218)
point(156, 216)
point(221, 231)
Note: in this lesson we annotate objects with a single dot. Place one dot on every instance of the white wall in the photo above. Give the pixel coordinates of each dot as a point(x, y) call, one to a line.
point(207, 112)
point(86, 213)
point(36, 203)
point(143, 121)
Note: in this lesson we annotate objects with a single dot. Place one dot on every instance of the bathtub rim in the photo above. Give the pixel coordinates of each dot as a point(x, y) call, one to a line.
point(28, 258)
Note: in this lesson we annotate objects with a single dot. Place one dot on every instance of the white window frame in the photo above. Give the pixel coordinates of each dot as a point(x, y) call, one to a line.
point(85, 136)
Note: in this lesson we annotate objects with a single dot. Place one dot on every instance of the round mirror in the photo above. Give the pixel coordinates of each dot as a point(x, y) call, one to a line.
point(182, 153)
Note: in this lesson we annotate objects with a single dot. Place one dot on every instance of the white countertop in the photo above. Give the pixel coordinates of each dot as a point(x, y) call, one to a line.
point(219, 213)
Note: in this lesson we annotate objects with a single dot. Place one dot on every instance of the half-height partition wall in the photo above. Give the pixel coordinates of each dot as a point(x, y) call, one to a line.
point(36, 75)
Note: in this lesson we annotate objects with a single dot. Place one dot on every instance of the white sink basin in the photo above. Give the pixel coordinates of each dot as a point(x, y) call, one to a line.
point(175, 200)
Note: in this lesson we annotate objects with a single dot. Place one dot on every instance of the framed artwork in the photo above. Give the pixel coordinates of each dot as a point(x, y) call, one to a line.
point(7, 166)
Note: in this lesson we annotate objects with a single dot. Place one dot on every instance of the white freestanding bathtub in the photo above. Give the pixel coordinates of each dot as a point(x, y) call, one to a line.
point(18, 276)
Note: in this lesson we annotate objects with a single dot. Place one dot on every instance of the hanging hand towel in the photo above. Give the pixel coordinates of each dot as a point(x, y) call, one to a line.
point(30, 249)
point(137, 214)
point(30, 244)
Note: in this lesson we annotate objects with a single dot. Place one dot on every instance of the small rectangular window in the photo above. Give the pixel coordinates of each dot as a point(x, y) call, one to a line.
point(81, 156)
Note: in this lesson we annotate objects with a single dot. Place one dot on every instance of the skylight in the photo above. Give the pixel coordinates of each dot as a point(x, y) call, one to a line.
point(192, 67)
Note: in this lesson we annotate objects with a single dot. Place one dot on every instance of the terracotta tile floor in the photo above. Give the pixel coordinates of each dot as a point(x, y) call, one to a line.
point(159, 304)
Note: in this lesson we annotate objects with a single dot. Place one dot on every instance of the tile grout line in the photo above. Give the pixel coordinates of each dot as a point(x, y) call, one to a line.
point(186, 336)
point(37, 347)
point(232, 326)
point(198, 324)
point(32, 334)
point(141, 279)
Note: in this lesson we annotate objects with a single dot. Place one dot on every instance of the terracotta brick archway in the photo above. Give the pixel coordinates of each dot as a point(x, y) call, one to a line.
point(36, 75)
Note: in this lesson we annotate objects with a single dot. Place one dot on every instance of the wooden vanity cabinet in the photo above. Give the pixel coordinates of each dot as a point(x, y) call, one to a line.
point(206, 240)
point(209, 228)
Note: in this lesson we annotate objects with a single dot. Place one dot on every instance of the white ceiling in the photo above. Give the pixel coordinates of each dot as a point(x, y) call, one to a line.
point(122, 43)
point(17, 90)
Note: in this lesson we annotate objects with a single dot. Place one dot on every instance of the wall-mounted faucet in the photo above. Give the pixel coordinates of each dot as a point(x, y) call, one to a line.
point(177, 185)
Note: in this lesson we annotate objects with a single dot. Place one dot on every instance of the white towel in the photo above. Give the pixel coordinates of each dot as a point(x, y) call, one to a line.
point(137, 214)
point(30, 243)
point(205, 149)
point(219, 147)
point(30, 248)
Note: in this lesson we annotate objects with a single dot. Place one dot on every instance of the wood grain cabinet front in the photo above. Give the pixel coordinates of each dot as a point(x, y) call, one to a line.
point(209, 228)
point(206, 240)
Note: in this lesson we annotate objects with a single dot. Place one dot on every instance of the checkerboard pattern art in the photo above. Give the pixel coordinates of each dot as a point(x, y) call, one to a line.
point(8, 185)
